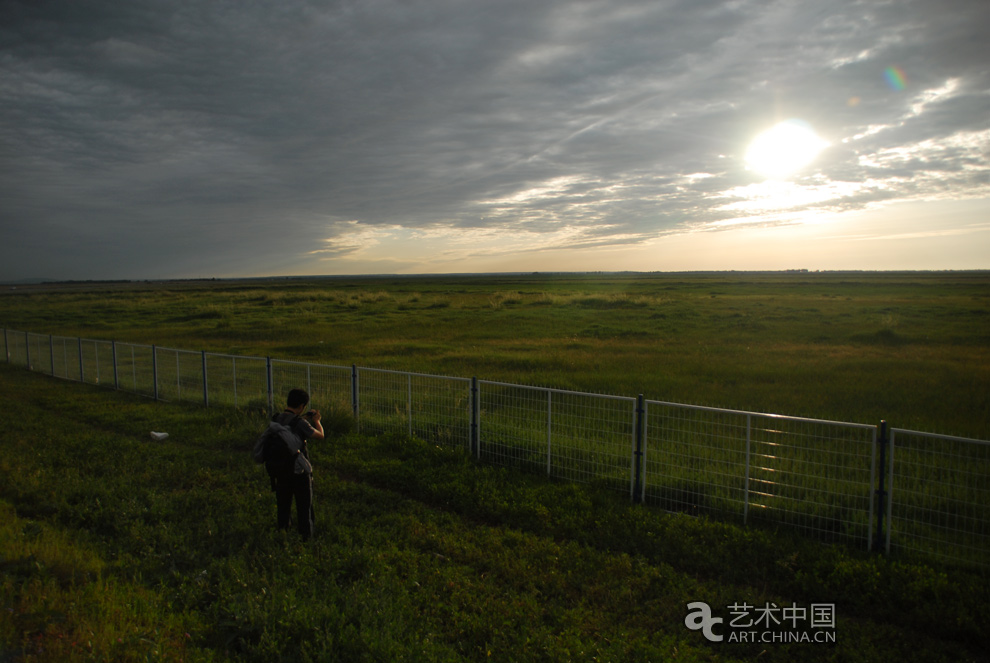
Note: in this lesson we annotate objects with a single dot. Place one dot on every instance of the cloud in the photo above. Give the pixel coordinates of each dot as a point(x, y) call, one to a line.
point(175, 138)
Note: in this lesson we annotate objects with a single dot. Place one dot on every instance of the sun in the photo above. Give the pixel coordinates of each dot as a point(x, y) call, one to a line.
point(784, 149)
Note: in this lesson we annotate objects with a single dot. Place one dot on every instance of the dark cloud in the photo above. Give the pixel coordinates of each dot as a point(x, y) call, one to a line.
point(184, 138)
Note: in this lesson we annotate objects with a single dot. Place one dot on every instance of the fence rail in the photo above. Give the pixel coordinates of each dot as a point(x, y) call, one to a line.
point(899, 492)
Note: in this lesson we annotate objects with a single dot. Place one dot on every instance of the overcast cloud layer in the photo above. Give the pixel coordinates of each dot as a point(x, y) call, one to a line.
point(147, 139)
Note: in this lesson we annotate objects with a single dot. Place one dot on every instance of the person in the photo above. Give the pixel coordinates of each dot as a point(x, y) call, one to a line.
point(299, 485)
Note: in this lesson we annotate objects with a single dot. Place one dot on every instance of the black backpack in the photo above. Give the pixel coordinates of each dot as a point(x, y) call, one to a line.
point(278, 448)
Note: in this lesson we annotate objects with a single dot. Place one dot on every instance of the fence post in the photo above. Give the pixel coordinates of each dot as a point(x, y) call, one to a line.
point(154, 369)
point(134, 382)
point(475, 441)
point(51, 352)
point(206, 393)
point(354, 394)
point(549, 430)
point(79, 344)
point(271, 392)
point(881, 493)
point(749, 435)
point(113, 352)
point(890, 489)
point(6, 348)
point(639, 435)
point(27, 350)
point(409, 401)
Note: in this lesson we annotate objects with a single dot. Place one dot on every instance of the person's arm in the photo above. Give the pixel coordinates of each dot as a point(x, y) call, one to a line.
point(317, 426)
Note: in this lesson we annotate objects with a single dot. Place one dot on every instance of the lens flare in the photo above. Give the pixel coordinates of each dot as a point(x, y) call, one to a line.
point(895, 78)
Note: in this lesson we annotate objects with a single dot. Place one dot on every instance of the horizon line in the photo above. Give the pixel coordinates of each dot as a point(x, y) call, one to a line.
point(50, 281)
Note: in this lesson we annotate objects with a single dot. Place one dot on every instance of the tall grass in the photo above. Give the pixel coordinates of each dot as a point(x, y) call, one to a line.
point(910, 348)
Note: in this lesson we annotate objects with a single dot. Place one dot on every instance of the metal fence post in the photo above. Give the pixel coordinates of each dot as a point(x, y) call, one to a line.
point(206, 393)
point(890, 490)
point(639, 433)
point(749, 435)
point(355, 405)
point(134, 382)
point(27, 350)
point(409, 402)
point(271, 392)
point(79, 344)
point(474, 442)
point(113, 352)
point(881, 494)
point(549, 431)
point(6, 348)
point(51, 352)
point(154, 369)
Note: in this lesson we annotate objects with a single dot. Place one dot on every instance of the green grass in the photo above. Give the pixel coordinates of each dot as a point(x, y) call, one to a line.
point(114, 547)
point(911, 348)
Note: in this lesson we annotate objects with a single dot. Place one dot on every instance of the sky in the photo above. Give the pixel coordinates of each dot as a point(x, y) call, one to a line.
point(156, 139)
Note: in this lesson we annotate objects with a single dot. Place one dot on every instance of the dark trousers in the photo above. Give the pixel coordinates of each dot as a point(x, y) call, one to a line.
point(300, 487)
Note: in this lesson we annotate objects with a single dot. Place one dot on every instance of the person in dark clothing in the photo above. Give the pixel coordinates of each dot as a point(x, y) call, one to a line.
point(299, 484)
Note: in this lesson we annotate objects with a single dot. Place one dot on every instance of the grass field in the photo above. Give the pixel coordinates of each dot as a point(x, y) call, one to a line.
point(114, 547)
point(911, 348)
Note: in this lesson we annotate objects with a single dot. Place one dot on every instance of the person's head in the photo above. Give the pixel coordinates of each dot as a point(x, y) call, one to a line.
point(297, 398)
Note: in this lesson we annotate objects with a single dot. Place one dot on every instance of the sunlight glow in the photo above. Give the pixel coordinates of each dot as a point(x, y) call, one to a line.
point(784, 149)
point(775, 195)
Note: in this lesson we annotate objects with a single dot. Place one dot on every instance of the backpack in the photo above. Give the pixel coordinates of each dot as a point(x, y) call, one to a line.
point(278, 448)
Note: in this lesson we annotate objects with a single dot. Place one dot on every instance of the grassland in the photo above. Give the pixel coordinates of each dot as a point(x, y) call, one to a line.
point(911, 348)
point(114, 547)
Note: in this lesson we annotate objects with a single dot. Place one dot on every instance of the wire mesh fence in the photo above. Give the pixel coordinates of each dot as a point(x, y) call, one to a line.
point(938, 497)
point(823, 478)
point(817, 476)
point(66, 353)
point(808, 474)
point(330, 386)
point(179, 375)
point(15, 348)
point(97, 362)
point(431, 407)
point(568, 435)
point(135, 368)
point(696, 459)
point(39, 351)
point(240, 382)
